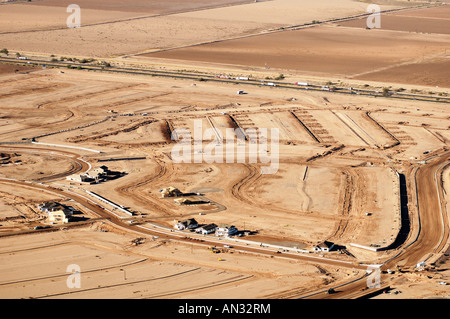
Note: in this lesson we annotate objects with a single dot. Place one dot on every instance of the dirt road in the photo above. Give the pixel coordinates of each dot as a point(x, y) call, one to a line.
point(433, 232)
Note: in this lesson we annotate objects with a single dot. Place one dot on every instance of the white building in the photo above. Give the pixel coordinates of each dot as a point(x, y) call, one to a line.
point(50, 207)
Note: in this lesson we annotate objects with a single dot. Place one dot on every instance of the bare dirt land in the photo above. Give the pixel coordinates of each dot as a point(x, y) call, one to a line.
point(358, 158)
point(144, 271)
point(12, 68)
point(417, 54)
point(320, 51)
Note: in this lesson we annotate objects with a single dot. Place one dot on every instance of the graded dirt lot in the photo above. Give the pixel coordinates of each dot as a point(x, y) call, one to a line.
point(53, 15)
point(309, 198)
point(417, 40)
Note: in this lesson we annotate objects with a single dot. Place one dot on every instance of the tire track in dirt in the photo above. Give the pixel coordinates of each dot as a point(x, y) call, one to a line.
point(132, 127)
point(76, 167)
point(240, 191)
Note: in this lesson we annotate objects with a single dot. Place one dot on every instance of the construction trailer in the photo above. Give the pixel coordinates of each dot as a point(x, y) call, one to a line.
point(56, 212)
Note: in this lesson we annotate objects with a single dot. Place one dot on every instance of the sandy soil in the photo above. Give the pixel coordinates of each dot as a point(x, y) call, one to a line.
point(157, 7)
point(437, 13)
point(327, 197)
point(127, 37)
point(337, 162)
point(285, 12)
point(49, 15)
point(29, 167)
point(109, 259)
point(11, 68)
point(321, 50)
point(408, 21)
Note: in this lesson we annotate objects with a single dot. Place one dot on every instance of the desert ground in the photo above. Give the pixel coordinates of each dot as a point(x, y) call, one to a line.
point(364, 171)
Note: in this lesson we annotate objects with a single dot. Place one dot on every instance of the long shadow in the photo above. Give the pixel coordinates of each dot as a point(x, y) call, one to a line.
point(405, 222)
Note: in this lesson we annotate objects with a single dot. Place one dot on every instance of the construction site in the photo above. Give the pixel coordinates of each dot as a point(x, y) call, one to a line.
point(360, 174)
